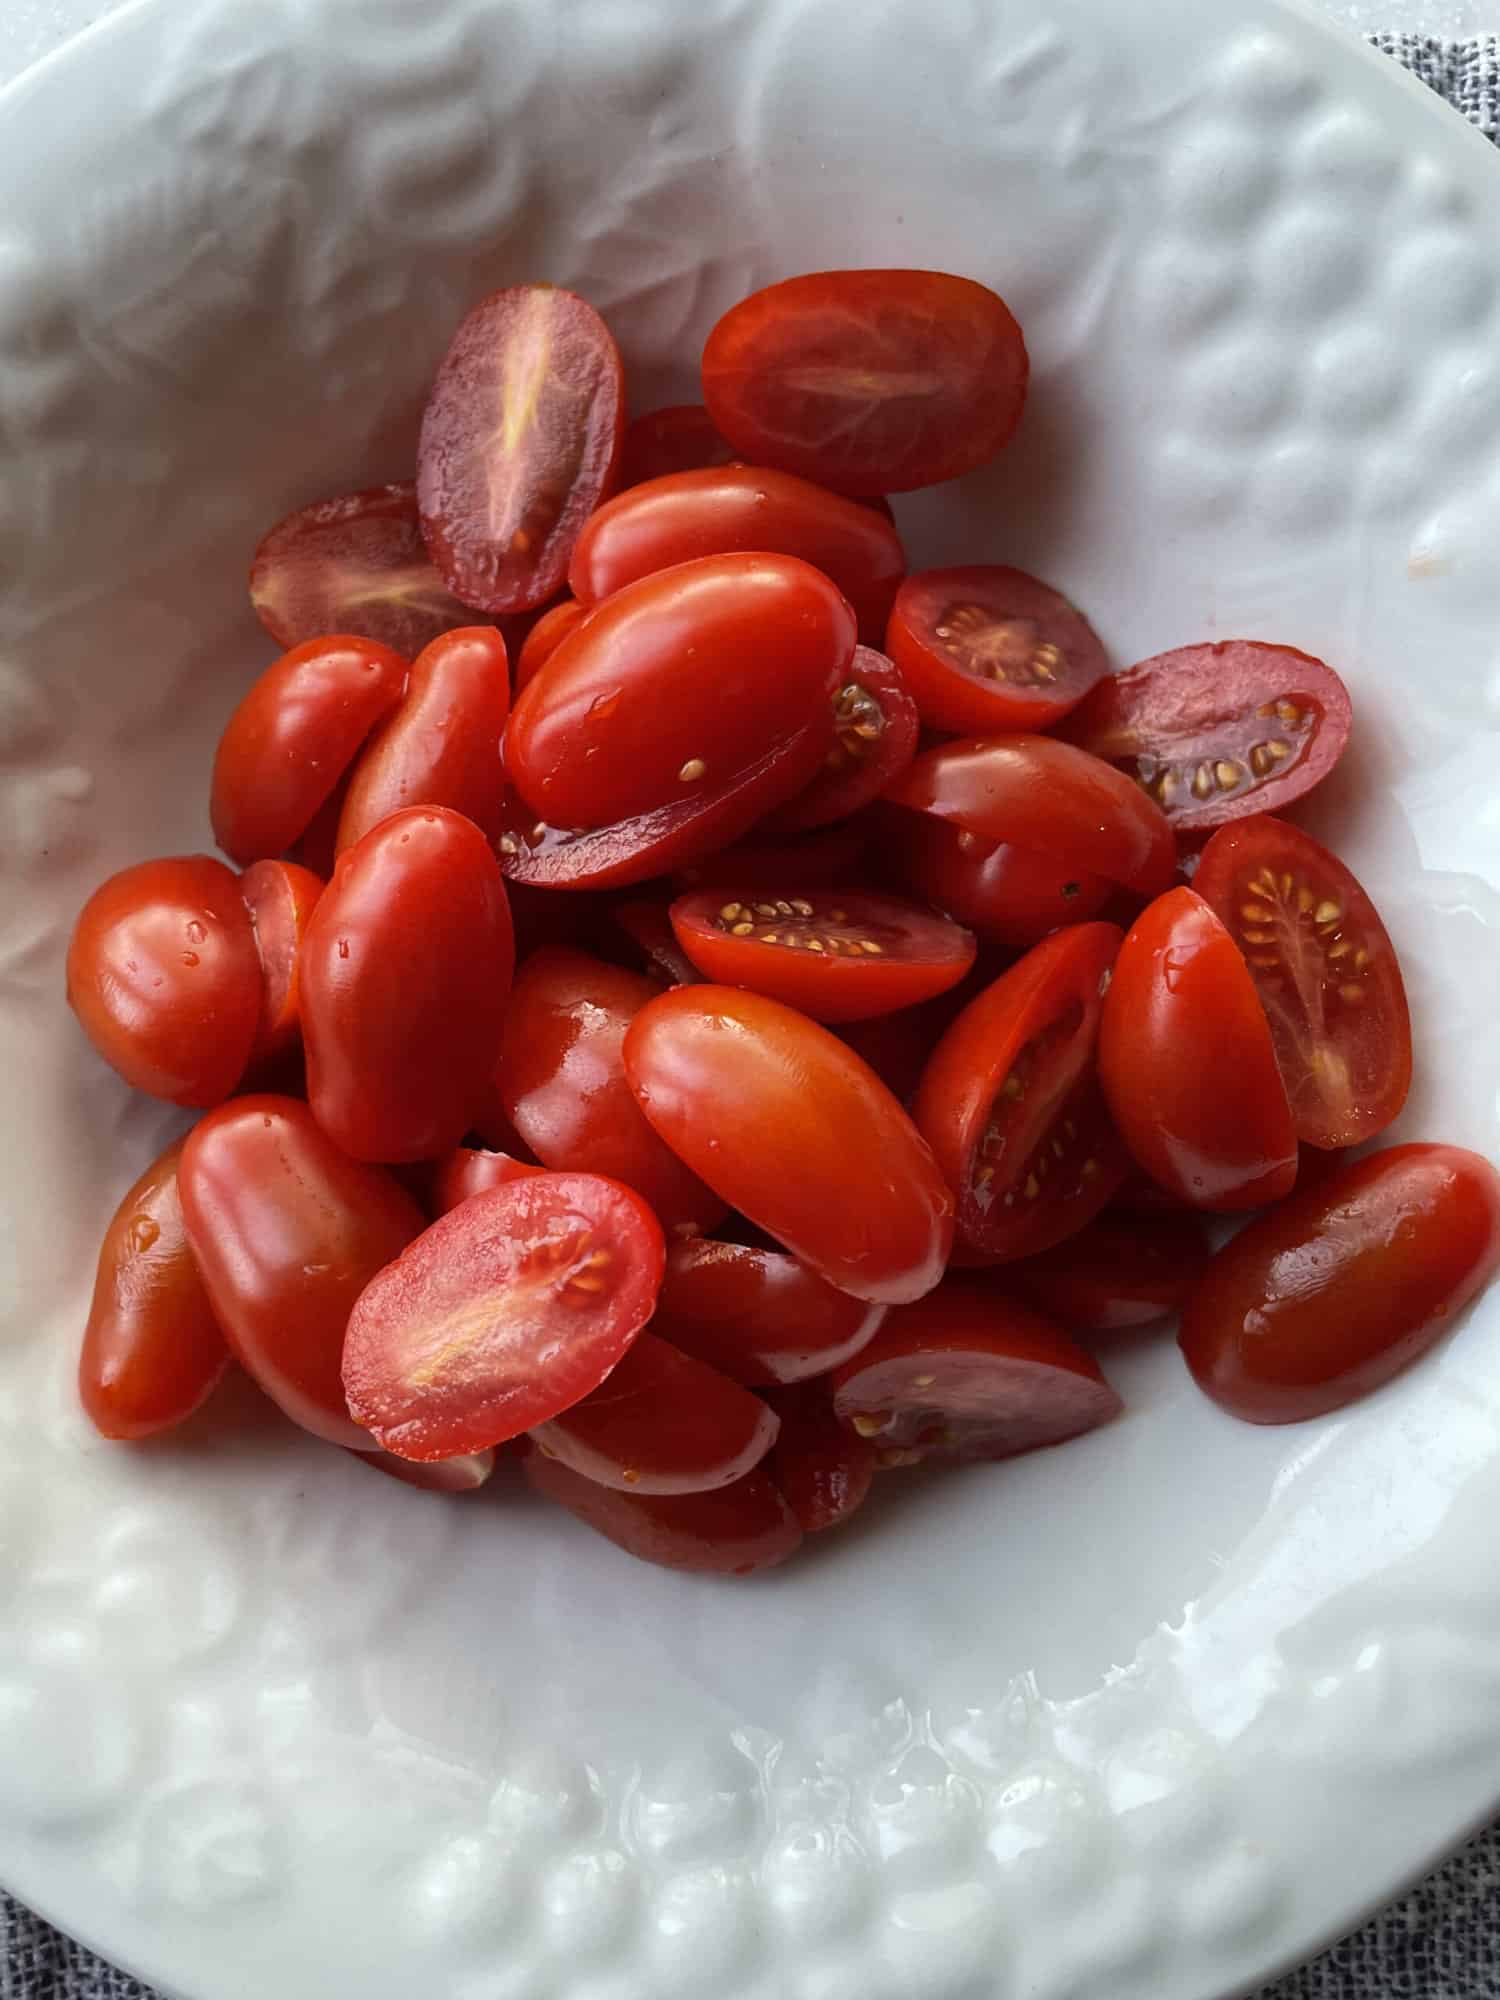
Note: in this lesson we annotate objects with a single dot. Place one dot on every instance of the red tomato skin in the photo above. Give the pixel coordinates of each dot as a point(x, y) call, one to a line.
point(824, 1469)
point(164, 977)
point(731, 1531)
point(1187, 1066)
point(787, 377)
point(922, 955)
point(758, 1315)
point(787, 1125)
point(152, 1350)
point(858, 769)
point(465, 1474)
point(466, 1172)
point(441, 746)
point(356, 563)
point(292, 738)
point(681, 438)
point(652, 943)
point(516, 1358)
point(280, 897)
point(739, 509)
point(953, 699)
point(561, 1079)
point(625, 720)
point(819, 859)
point(1186, 694)
point(661, 1422)
point(286, 1231)
point(1330, 1295)
point(544, 638)
point(538, 360)
point(1115, 1274)
point(1035, 792)
point(1360, 1010)
point(405, 970)
point(1015, 895)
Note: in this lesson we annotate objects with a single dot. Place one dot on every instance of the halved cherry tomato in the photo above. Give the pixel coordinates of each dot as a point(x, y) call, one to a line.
point(758, 1315)
point(824, 1468)
point(1340, 1288)
point(679, 439)
point(441, 746)
point(503, 1313)
point(1187, 1065)
point(1006, 1099)
point(649, 931)
point(1326, 973)
point(868, 381)
point(287, 1230)
point(152, 1350)
point(876, 728)
point(466, 1172)
point(968, 1374)
point(1015, 895)
point(790, 1127)
point(837, 955)
point(661, 1422)
point(1214, 733)
point(986, 649)
point(561, 1079)
point(544, 638)
point(520, 442)
point(730, 1531)
point(1037, 793)
point(354, 564)
point(1116, 1273)
point(280, 897)
point(292, 738)
point(827, 855)
point(735, 509)
point(164, 977)
point(464, 1474)
point(678, 686)
point(405, 970)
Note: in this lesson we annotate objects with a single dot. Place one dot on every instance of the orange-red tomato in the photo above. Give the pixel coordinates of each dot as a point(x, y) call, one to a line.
point(165, 980)
point(152, 1349)
point(280, 897)
point(730, 1531)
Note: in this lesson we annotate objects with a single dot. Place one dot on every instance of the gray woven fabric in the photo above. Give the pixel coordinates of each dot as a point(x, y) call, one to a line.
point(1442, 1942)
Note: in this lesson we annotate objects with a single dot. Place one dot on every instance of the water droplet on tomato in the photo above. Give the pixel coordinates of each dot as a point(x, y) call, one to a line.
point(196, 932)
point(143, 1233)
point(190, 958)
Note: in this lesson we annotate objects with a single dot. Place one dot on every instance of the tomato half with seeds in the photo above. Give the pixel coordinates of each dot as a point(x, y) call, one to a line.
point(153, 1351)
point(544, 638)
point(1342, 1287)
point(287, 1230)
point(1187, 1064)
point(787, 1125)
point(404, 974)
point(356, 563)
point(280, 897)
point(503, 1313)
point(875, 733)
point(985, 649)
point(520, 442)
point(1015, 895)
point(1326, 972)
point(441, 746)
point(868, 381)
point(836, 955)
point(1050, 798)
point(737, 509)
point(561, 1079)
point(1116, 1273)
point(968, 1374)
point(662, 1422)
point(1005, 1085)
point(730, 1531)
point(823, 1467)
point(681, 438)
point(757, 1314)
point(292, 738)
point(467, 1171)
point(164, 977)
point(1214, 733)
point(678, 686)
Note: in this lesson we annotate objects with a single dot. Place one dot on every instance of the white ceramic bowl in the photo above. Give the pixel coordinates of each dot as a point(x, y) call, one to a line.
point(1147, 1717)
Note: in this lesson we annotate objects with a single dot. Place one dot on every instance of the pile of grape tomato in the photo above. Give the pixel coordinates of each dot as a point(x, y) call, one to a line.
point(715, 1014)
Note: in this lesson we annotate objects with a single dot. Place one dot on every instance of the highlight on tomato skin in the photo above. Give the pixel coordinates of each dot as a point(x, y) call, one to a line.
point(465, 1474)
point(756, 1314)
point(1339, 1289)
point(1014, 895)
point(730, 1531)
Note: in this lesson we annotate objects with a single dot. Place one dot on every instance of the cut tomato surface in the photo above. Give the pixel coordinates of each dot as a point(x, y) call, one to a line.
point(875, 732)
point(280, 897)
